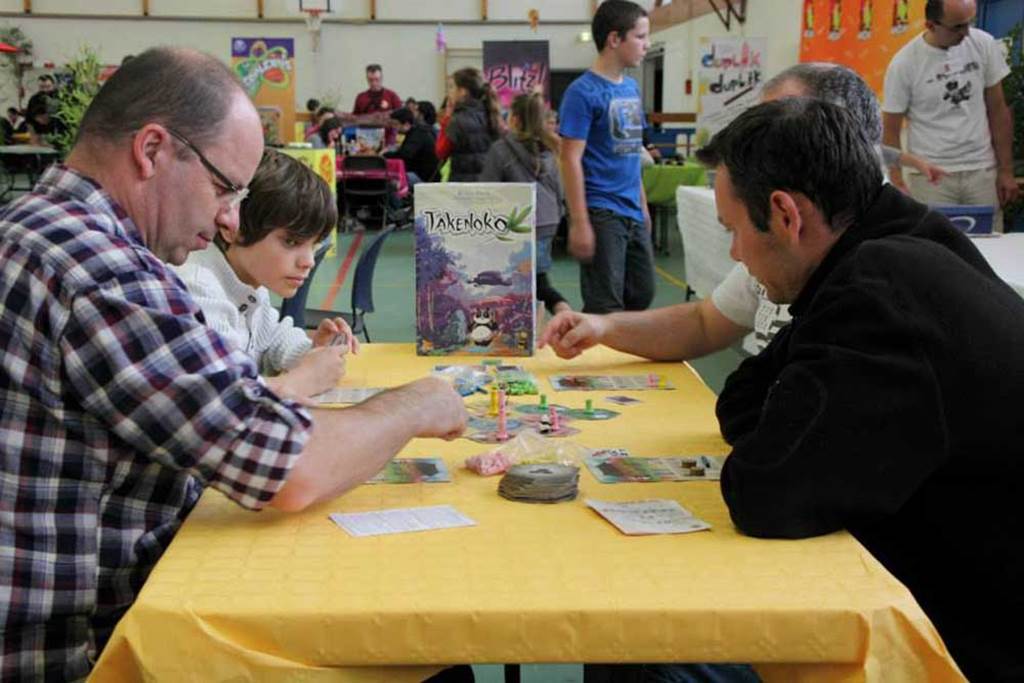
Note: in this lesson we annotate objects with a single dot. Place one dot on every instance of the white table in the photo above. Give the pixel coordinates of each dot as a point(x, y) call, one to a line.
point(33, 159)
point(706, 243)
point(1005, 253)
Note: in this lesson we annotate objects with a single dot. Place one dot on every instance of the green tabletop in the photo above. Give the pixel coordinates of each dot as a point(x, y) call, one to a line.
point(661, 181)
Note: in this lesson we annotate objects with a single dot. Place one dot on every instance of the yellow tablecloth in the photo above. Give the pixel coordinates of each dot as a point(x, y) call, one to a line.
point(267, 596)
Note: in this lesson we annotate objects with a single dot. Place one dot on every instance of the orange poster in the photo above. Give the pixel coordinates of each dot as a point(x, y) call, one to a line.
point(266, 67)
point(861, 34)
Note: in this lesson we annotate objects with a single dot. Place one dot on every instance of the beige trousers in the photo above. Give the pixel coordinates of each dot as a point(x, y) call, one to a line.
point(976, 187)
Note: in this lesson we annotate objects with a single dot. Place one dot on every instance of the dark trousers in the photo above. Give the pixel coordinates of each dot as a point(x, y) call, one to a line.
point(620, 277)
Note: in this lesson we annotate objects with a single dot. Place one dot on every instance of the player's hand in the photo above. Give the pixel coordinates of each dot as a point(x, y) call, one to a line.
point(933, 173)
point(438, 407)
point(581, 241)
point(570, 333)
point(336, 332)
point(319, 370)
point(1006, 188)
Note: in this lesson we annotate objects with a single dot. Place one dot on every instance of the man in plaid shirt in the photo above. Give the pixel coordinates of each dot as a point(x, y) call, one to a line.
point(117, 405)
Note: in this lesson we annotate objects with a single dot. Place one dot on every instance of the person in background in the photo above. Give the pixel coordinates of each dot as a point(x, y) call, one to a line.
point(47, 91)
point(948, 83)
point(474, 125)
point(320, 116)
point(135, 405)
point(602, 123)
point(9, 125)
point(376, 98)
point(527, 154)
point(412, 105)
point(288, 212)
point(739, 304)
point(428, 114)
point(417, 148)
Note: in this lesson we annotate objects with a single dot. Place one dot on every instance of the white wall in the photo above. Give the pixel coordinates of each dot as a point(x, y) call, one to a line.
point(412, 66)
point(777, 20)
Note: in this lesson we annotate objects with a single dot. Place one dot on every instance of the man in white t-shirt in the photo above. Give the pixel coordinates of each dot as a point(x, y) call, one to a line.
point(947, 82)
point(739, 304)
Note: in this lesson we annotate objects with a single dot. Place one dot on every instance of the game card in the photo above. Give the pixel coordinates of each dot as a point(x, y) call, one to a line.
point(412, 471)
point(615, 466)
point(643, 517)
point(623, 400)
point(400, 520)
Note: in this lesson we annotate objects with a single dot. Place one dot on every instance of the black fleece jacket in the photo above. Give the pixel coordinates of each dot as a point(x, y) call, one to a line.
point(893, 406)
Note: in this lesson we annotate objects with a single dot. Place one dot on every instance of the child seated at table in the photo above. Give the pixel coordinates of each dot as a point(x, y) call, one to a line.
point(288, 212)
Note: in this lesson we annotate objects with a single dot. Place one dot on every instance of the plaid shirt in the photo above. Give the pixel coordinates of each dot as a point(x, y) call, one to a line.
point(117, 405)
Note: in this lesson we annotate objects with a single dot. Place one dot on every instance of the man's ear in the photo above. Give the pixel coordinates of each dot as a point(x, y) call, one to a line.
point(785, 221)
point(148, 149)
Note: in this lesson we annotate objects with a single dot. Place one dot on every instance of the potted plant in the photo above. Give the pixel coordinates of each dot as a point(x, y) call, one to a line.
point(80, 82)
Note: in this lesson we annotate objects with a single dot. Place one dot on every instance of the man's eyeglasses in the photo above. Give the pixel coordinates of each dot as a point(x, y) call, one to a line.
point(222, 181)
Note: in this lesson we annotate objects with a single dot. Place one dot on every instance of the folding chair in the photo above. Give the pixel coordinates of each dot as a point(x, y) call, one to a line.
point(370, 193)
point(362, 290)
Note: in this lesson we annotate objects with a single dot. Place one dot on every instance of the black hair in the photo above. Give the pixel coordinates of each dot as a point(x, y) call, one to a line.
point(48, 77)
point(934, 10)
point(321, 111)
point(427, 112)
point(285, 193)
point(802, 145)
point(312, 104)
point(327, 126)
point(403, 115)
point(181, 89)
point(374, 67)
point(839, 85)
point(614, 16)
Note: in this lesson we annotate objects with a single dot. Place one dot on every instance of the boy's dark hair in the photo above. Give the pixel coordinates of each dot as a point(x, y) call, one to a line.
point(934, 9)
point(614, 16)
point(427, 112)
point(312, 104)
point(285, 193)
point(798, 144)
point(403, 115)
point(47, 77)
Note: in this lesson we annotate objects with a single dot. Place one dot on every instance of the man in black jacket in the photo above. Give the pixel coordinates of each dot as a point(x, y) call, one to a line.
point(417, 149)
point(892, 405)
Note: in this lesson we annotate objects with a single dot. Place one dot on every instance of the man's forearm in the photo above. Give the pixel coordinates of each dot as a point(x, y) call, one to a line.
point(347, 447)
point(679, 332)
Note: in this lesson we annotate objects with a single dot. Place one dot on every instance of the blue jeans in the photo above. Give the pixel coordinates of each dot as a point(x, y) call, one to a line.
point(621, 274)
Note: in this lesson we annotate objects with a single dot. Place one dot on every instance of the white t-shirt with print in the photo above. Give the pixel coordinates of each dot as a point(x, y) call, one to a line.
point(742, 299)
point(942, 93)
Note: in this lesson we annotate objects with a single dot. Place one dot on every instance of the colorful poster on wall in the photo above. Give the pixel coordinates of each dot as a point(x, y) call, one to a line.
point(514, 67)
point(861, 34)
point(322, 162)
point(266, 67)
point(730, 75)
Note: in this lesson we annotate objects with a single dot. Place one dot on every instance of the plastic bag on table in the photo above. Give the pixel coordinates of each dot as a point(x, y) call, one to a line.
point(527, 448)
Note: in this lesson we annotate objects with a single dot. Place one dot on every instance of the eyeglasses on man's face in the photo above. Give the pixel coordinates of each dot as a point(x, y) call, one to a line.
point(235, 192)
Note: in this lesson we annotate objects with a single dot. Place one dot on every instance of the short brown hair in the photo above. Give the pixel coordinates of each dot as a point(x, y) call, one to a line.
point(285, 193)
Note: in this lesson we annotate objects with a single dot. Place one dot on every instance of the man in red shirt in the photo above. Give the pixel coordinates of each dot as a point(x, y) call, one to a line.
point(377, 98)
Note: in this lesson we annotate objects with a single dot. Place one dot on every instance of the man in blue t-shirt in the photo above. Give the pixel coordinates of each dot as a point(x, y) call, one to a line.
point(602, 123)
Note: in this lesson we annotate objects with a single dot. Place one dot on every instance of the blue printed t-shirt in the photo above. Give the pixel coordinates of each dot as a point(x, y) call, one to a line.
point(610, 117)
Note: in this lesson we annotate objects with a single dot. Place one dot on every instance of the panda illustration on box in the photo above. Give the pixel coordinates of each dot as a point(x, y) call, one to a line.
point(483, 326)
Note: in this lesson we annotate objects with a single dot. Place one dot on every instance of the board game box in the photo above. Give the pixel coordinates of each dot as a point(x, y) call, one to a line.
point(475, 261)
